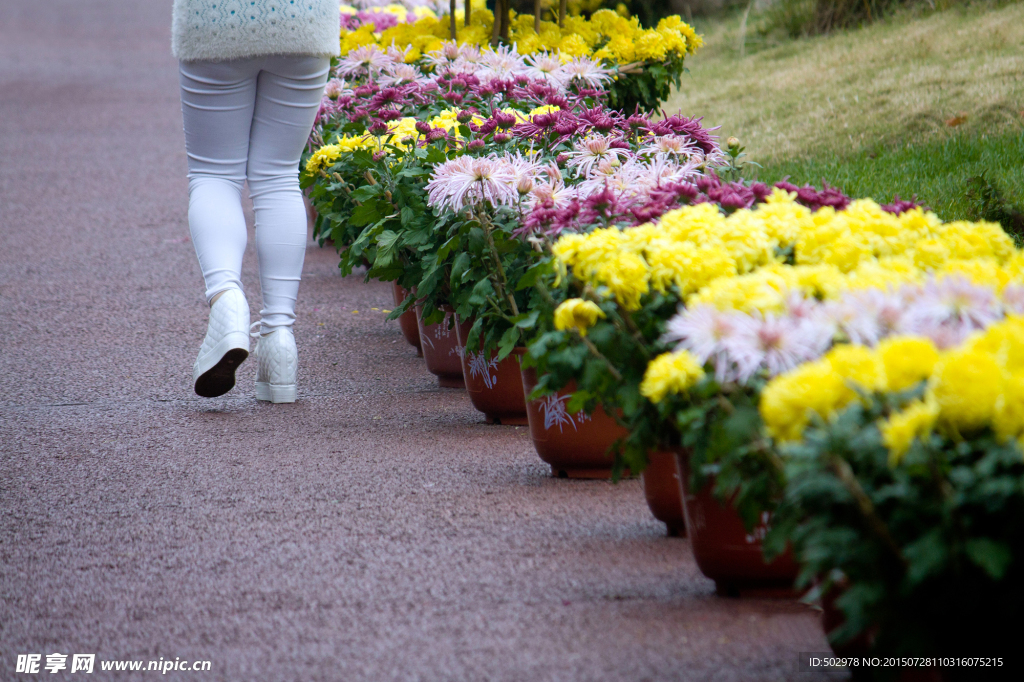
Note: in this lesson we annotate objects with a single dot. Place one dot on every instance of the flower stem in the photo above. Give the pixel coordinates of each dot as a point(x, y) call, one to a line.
point(502, 280)
point(867, 510)
point(600, 356)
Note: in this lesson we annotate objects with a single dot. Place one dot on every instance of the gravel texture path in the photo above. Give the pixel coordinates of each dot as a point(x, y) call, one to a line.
point(375, 530)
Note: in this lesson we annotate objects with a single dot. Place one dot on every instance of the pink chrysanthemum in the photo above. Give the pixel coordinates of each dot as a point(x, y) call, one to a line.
point(948, 310)
point(367, 60)
point(627, 180)
point(522, 167)
point(546, 67)
point(396, 74)
point(585, 71)
point(467, 180)
point(549, 187)
point(502, 63)
point(676, 146)
point(1013, 299)
point(668, 170)
point(705, 331)
point(336, 87)
point(590, 151)
point(774, 344)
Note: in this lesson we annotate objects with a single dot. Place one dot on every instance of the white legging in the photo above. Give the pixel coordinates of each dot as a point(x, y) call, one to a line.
point(248, 119)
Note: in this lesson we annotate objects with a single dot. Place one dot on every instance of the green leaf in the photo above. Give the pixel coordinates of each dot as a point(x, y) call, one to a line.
point(527, 320)
point(365, 214)
point(481, 291)
point(435, 155)
point(926, 555)
point(991, 556)
point(386, 244)
point(447, 247)
point(577, 401)
point(408, 215)
point(366, 192)
point(460, 266)
point(530, 277)
point(508, 342)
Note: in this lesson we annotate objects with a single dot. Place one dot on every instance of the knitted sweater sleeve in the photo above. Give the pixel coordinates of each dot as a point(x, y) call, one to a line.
point(231, 29)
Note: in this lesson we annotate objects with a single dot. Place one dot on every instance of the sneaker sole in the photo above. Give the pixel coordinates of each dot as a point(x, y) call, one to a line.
point(275, 393)
point(220, 378)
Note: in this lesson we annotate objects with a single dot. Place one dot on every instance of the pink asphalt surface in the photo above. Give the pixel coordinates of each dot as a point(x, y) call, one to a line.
point(375, 530)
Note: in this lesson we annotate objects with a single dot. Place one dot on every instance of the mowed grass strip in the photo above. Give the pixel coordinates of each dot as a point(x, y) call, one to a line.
point(901, 81)
point(938, 172)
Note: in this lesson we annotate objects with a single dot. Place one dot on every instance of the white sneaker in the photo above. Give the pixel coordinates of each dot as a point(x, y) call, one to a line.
point(278, 366)
point(225, 347)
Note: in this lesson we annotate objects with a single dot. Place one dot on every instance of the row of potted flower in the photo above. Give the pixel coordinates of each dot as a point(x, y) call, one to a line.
point(645, 61)
point(844, 380)
point(781, 348)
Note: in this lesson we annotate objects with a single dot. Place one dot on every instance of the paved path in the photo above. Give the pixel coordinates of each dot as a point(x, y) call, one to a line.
point(375, 530)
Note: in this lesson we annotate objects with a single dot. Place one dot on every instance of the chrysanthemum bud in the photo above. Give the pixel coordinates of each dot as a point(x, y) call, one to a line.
point(475, 144)
point(487, 127)
point(505, 120)
point(464, 116)
point(422, 127)
point(733, 143)
point(378, 127)
point(436, 134)
point(524, 185)
point(502, 138)
point(379, 155)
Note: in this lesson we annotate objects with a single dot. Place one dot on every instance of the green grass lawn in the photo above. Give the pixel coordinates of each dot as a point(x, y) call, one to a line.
point(869, 109)
point(938, 173)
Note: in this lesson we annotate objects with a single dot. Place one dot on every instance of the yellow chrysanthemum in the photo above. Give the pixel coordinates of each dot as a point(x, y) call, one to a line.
point(1008, 420)
point(899, 431)
point(323, 158)
point(624, 40)
point(1003, 341)
point(670, 373)
point(861, 367)
point(577, 314)
point(908, 360)
point(789, 400)
point(966, 384)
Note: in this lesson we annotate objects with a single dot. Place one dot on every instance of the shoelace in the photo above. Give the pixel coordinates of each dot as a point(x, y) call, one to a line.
point(255, 335)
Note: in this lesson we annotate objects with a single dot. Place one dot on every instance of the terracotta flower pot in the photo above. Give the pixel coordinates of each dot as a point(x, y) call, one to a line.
point(407, 320)
point(661, 488)
point(725, 551)
point(495, 388)
point(441, 350)
point(575, 445)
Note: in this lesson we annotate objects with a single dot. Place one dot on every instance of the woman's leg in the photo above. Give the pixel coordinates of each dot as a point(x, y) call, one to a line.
point(288, 96)
point(217, 102)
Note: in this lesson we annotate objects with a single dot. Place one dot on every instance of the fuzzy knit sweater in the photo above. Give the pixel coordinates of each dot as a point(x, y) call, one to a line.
point(214, 30)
